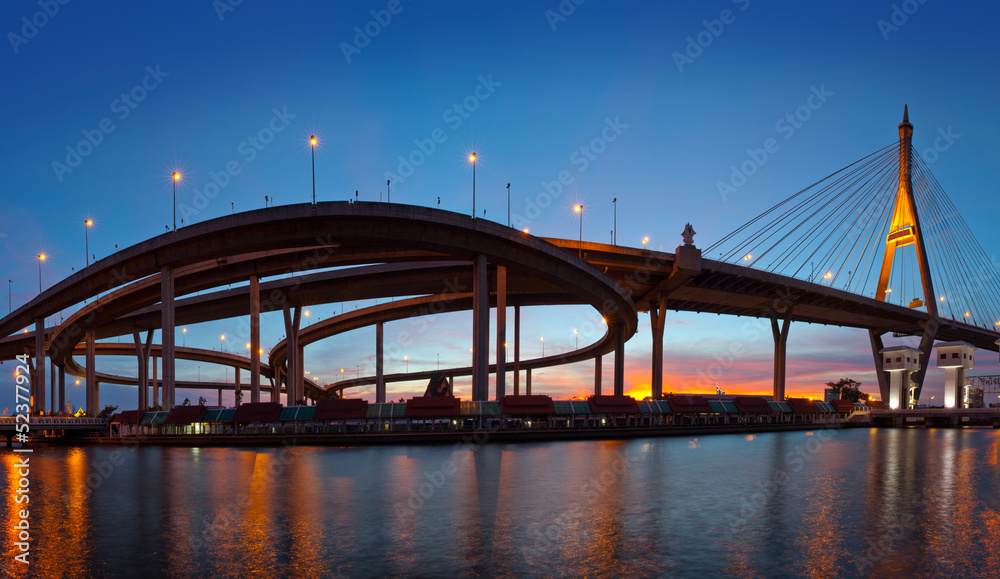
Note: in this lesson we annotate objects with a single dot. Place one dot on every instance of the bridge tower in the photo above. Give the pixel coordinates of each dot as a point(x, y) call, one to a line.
point(904, 229)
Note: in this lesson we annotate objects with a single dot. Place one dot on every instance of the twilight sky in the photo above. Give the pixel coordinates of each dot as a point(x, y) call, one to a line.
point(652, 103)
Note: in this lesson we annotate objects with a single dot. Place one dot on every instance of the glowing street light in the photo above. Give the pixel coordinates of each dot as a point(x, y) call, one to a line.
point(177, 177)
point(645, 240)
point(41, 258)
point(86, 238)
point(543, 346)
point(307, 317)
point(579, 209)
point(472, 159)
point(222, 342)
point(407, 360)
point(184, 332)
point(747, 258)
point(312, 148)
point(577, 333)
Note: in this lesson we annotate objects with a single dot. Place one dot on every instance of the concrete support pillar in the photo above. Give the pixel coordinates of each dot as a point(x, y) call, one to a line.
point(780, 341)
point(62, 389)
point(954, 381)
point(619, 361)
point(142, 357)
point(883, 382)
point(39, 386)
point(52, 387)
point(156, 386)
point(255, 338)
point(92, 398)
point(300, 378)
point(220, 396)
point(480, 330)
point(167, 338)
point(501, 388)
point(598, 362)
point(657, 319)
point(237, 389)
point(379, 376)
point(527, 382)
point(292, 320)
point(517, 350)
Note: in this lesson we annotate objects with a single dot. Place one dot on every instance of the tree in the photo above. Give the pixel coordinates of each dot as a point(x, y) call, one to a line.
point(107, 412)
point(187, 402)
point(847, 389)
point(202, 400)
point(239, 397)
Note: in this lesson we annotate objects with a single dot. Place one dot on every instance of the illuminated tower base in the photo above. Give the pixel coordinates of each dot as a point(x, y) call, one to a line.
point(955, 358)
point(900, 362)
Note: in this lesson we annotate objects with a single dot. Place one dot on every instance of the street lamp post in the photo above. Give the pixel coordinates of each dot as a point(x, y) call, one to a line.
point(407, 360)
point(577, 334)
point(86, 239)
point(614, 230)
point(312, 148)
point(645, 240)
point(543, 346)
point(222, 342)
point(508, 205)
point(10, 306)
point(579, 209)
point(388, 194)
point(177, 177)
point(41, 258)
point(184, 333)
point(472, 159)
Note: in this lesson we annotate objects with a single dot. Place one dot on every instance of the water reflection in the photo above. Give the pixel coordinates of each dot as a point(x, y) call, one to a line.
point(864, 502)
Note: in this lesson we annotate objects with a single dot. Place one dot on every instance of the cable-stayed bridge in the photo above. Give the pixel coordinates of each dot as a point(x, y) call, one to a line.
point(877, 246)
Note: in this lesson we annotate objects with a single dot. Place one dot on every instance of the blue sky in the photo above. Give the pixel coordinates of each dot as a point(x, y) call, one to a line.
point(526, 85)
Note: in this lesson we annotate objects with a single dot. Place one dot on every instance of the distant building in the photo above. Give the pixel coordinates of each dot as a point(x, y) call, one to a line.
point(829, 395)
point(972, 397)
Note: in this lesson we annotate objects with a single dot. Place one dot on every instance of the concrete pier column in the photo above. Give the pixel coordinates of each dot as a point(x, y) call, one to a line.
point(62, 389)
point(598, 362)
point(619, 361)
point(292, 320)
point(52, 387)
point(91, 397)
point(39, 385)
point(517, 350)
point(254, 338)
point(167, 331)
point(527, 382)
point(237, 389)
point(657, 319)
point(501, 377)
point(220, 396)
point(877, 346)
point(780, 342)
point(379, 376)
point(142, 357)
point(156, 385)
point(480, 330)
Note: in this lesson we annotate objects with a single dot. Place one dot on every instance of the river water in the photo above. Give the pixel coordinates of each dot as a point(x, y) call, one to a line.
point(859, 502)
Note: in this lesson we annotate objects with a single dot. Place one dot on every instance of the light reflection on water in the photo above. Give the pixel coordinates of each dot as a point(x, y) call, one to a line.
point(860, 502)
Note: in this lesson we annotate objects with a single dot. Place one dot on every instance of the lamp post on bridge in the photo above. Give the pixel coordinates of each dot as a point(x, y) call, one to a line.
point(177, 177)
point(86, 239)
point(312, 149)
point(579, 209)
point(614, 224)
point(41, 258)
point(472, 159)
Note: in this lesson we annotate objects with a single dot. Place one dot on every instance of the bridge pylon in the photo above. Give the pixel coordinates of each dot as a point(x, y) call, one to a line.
point(904, 229)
